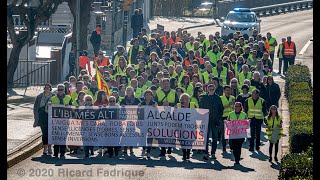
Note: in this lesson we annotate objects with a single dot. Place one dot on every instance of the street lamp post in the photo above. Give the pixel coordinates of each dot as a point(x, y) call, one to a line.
point(78, 37)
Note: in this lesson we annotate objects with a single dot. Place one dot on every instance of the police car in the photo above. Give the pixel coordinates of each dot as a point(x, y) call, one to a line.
point(240, 19)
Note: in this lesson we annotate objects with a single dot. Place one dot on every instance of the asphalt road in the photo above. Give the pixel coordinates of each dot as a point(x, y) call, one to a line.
point(253, 165)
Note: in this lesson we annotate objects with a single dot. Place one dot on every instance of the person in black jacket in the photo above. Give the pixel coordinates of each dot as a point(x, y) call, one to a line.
point(135, 24)
point(273, 93)
point(153, 48)
point(212, 102)
point(95, 40)
point(256, 81)
point(140, 18)
point(72, 59)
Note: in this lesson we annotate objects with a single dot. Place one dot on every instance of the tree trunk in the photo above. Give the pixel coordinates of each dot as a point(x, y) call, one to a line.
point(13, 63)
point(84, 21)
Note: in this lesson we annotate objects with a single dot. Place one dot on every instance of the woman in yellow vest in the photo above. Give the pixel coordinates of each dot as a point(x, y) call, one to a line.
point(186, 85)
point(237, 114)
point(185, 103)
point(197, 92)
point(274, 130)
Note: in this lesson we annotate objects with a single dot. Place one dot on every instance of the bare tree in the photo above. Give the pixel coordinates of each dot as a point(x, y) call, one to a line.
point(86, 7)
point(31, 18)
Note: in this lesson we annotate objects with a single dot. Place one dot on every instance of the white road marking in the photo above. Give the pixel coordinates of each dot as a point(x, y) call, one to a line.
point(305, 47)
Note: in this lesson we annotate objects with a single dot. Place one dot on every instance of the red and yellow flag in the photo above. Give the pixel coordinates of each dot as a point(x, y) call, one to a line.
point(102, 84)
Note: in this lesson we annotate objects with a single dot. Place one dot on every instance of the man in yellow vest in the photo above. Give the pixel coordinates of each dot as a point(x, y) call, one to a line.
point(166, 97)
point(134, 51)
point(272, 43)
point(256, 109)
point(214, 55)
point(280, 54)
point(93, 90)
point(189, 45)
point(63, 99)
point(221, 72)
point(245, 74)
point(228, 102)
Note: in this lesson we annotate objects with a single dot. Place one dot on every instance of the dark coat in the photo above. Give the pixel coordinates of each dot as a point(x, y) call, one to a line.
point(273, 95)
point(140, 19)
point(261, 87)
point(135, 23)
point(214, 104)
point(95, 39)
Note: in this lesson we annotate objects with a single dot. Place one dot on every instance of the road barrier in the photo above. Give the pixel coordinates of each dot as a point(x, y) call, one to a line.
point(282, 8)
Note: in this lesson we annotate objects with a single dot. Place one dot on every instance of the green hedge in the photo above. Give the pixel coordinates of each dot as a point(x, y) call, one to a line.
point(298, 163)
point(299, 94)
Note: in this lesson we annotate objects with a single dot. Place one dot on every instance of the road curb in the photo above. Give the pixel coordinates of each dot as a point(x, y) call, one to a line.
point(22, 99)
point(285, 124)
point(25, 150)
point(203, 25)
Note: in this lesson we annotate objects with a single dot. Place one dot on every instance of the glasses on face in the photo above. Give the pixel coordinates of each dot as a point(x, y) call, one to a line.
point(211, 89)
point(112, 101)
point(200, 91)
point(123, 79)
point(60, 89)
point(88, 100)
point(174, 53)
point(233, 82)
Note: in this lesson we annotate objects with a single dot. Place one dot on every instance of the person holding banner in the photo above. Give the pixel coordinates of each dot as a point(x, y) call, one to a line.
point(256, 108)
point(185, 103)
point(148, 101)
point(111, 149)
point(274, 130)
point(212, 102)
point(129, 99)
point(40, 112)
point(166, 97)
point(237, 114)
point(88, 101)
point(63, 99)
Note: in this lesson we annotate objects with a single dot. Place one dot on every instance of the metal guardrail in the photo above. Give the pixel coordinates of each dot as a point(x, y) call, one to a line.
point(281, 8)
point(34, 73)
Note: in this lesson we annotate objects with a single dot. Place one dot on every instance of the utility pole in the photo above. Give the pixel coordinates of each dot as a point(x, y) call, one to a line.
point(113, 26)
point(78, 37)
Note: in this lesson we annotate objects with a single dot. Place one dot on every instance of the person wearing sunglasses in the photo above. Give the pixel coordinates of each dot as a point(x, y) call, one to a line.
point(237, 114)
point(195, 98)
point(212, 102)
point(40, 112)
point(63, 99)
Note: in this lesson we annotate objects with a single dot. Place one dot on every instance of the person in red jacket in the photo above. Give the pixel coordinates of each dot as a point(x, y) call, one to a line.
point(83, 61)
point(101, 59)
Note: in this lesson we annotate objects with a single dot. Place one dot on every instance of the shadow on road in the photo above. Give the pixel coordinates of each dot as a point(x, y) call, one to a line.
point(259, 155)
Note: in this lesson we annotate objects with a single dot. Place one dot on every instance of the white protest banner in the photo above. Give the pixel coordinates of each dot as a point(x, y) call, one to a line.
point(128, 126)
point(237, 129)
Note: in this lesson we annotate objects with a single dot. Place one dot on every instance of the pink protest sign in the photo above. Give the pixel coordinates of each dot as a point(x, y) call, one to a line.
point(237, 129)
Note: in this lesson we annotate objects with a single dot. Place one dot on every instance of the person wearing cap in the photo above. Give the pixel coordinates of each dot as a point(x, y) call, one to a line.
point(280, 54)
point(134, 51)
point(167, 59)
point(252, 59)
point(117, 54)
point(95, 39)
point(273, 44)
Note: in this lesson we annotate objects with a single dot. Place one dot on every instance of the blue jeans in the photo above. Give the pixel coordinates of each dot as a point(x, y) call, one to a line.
point(214, 133)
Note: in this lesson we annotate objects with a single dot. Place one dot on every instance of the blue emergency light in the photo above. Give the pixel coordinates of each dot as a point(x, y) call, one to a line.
point(241, 9)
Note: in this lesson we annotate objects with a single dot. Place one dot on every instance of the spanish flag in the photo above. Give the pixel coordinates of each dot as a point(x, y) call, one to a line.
point(102, 84)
